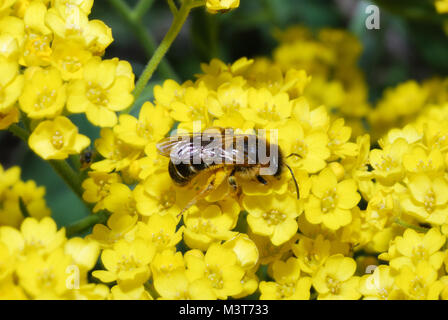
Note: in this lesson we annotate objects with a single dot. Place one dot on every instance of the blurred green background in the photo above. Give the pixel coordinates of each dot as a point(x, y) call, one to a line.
point(410, 44)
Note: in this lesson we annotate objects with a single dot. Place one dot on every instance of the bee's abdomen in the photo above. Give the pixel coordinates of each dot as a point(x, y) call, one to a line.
point(182, 173)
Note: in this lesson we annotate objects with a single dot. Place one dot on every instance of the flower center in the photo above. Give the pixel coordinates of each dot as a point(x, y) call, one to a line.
point(57, 140)
point(286, 290)
point(70, 64)
point(333, 284)
point(45, 277)
point(37, 45)
point(273, 217)
point(418, 287)
point(96, 94)
point(329, 200)
point(300, 148)
point(127, 263)
point(145, 130)
point(268, 112)
point(167, 200)
point(387, 163)
point(429, 201)
point(213, 273)
point(162, 239)
point(45, 99)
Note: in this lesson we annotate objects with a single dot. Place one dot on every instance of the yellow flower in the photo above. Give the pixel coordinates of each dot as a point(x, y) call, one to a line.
point(44, 278)
point(152, 125)
point(193, 107)
point(339, 136)
point(11, 84)
point(419, 160)
point(8, 118)
point(118, 155)
point(312, 148)
point(171, 281)
point(97, 187)
point(10, 290)
point(215, 6)
point(127, 263)
point(120, 200)
point(311, 253)
point(380, 285)
point(420, 283)
point(160, 230)
point(265, 108)
point(441, 6)
point(119, 226)
point(335, 280)
point(125, 292)
point(44, 93)
point(288, 284)
point(413, 247)
point(105, 88)
point(273, 216)
point(209, 223)
point(69, 57)
point(84, 5)
point(84, 252)
point(37, 43)
point(57, 139)
point(219, 267)
point(387, 163)
point(245, 249)
point(427, 199)
point(157, 195)
point(331, 202)
point(41, 237)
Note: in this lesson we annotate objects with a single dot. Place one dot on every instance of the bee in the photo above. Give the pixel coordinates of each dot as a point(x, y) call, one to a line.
point(225, 156)
point(86, 158)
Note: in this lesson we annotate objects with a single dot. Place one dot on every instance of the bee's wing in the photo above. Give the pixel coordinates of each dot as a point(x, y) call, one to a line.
point(179, 147)
point(234, 148)
point(240, 148)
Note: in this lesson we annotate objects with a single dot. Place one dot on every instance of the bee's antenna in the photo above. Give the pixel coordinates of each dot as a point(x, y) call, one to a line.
point(294, 154)
point(295, 181)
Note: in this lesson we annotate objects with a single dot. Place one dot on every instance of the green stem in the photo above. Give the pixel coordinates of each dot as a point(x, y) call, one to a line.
point(141, 8)
point(411, 226)
point(86, 223)
point(176, 26)
point(133, 19)
point(19, 132)
point(65, 171)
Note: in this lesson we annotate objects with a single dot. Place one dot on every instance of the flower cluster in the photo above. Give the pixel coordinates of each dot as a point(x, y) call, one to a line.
point(402, 104)
point(37, 261)
point(331, 57)
point(141, 236)
point(19, 199)
point(51, 66)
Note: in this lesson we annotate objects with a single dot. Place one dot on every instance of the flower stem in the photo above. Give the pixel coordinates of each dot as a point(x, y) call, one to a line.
point(65, 171)
point(408, 225)
point(141, 8)
point(133, 19)
point(19, 132)
point(176, 26)
point(86, 223)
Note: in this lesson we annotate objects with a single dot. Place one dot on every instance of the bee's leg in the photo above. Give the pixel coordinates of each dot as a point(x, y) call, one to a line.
point(232, 181)
point(212, 183)
point(261, 180)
